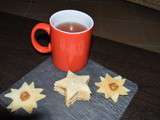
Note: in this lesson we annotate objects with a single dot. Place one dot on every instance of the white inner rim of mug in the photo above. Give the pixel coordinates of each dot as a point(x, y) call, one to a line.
point(76, 16)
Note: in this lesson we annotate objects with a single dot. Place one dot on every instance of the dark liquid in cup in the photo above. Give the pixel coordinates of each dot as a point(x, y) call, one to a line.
point(71, 27)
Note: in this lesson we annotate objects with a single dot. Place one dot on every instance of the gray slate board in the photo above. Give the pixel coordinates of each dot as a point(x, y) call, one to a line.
point(53, 108)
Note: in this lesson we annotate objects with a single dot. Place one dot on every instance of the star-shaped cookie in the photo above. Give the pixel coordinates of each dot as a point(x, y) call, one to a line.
point(112, 87)
point(26, 97)
point(73, 87)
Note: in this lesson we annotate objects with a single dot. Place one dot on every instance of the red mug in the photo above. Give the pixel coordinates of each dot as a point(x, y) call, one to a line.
point(70, 50)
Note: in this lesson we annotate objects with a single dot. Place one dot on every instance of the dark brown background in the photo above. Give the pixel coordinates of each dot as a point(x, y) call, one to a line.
point(113, 18)
point(121, 21)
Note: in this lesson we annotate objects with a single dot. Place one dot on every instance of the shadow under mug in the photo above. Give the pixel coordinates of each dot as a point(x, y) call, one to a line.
point(70, 50)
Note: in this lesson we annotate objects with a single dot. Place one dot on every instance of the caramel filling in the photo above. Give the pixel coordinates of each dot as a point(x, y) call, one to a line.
point(113, 86)
point(24, 96)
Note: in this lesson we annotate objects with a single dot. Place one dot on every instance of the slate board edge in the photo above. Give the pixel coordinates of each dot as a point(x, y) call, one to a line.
point(90, 60)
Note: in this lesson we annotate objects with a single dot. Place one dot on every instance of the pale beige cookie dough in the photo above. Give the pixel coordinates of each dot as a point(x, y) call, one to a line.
point(26, 97)
point(112, 87)
point(73, 87)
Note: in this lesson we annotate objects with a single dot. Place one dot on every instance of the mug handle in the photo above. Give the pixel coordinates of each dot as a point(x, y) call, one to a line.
point(36, 45)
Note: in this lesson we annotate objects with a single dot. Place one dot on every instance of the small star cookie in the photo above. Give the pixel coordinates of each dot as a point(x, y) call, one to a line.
point(73, 87)
point(112, 87)
point(25, 97)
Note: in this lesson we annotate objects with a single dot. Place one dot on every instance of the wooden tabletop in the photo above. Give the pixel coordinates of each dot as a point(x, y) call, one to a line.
point(17, 57)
